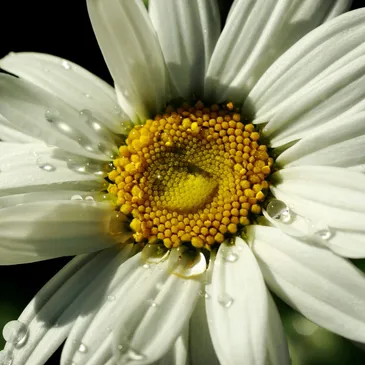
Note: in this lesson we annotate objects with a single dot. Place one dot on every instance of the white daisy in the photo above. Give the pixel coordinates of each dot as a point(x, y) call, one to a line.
point(190, 299)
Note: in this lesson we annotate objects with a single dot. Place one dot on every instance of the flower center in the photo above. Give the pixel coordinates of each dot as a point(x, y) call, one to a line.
point(192, 175)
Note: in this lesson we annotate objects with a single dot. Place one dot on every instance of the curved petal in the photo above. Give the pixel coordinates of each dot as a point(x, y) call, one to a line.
point(201, 349)
point(188, 32)
point(9, 133)
point(331, 195)
point(71, 83)
point(90, 340)
point(132, 53)
point(35, 166)
point(178, 354)
point(318, 79)
point(238, 308)
point(255, 35)
point(277, 346)
point(44, 116)
point(159, 306)
point(325, 288)
point(337, 143)
point(50, 315)
point(42, 230)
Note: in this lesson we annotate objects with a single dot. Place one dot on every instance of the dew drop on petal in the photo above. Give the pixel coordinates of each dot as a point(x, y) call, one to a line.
point(6, 358)
point(82, 348)
point(133, 355)
point(228, 255)
point(111, 298)
point(44, 165)
point(15, 332)
point(89, 198)
point(51, 115)
point(152, 303)
point(278, 210)
point(146, 266)
point(66, 65)
point(77, 197)
point(225, 300)
point(320, 230)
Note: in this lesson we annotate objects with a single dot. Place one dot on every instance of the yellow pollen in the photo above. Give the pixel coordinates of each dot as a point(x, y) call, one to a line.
point(191, 175)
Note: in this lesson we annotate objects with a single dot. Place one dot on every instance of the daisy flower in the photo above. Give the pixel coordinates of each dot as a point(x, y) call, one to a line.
point(224, 163)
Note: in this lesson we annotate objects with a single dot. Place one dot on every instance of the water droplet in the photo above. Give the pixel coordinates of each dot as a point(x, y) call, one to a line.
point(88, 96)
point(89, 198)
point(117, 110)
point(77, 197)
point(51, 115)
point(82, 348)
point(86, 144)
point(152, 303)
point(44, 165)
point(15, 332)
point(86, 113)
point(228, 255)
point(186, 263)
point(225, 300)
point(204, 294)
point(320, 230)
point(111, 298)
point(278, 210)
point(6, 358)
point(133, 355)
point(66, 65)
point(146, 266)
point(154, 253)
point(325, 234)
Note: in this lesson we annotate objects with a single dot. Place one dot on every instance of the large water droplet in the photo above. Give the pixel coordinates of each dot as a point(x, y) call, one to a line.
point(85, 143)
point(325, 234)
point(52, 115)
point(186, 263)
point(6, 358)
point(89, 198)
point(278, 210)
point(15, 332)
point(225, 300)
point(82, 348)
point(77, 197)
point(44, 165)
point(66, 65)
point(154, 253)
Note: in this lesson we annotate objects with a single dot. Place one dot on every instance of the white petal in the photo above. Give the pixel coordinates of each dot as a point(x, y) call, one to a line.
point(71, 83)
point(44, 116)
point(50, 315)
point(255, 35)
point(34, 166)
point(188, 32)
point(178, 354)
point(331, 195)
point(318, 79)
point(324, 287)
point(132, 53)
point(38, 231)
point(9, 133)
point(337, 143)
point(238, 308)
point(159, 306)
point(277, 346)
point(90, 340)
point(200, 345)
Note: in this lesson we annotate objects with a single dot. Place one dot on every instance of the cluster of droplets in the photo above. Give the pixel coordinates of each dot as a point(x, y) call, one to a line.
point(195, 174)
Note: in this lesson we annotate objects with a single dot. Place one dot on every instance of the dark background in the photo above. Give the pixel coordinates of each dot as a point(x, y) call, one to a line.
point(62, 28)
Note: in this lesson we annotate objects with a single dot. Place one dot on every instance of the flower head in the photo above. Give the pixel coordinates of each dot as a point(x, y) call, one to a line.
point(224, 162)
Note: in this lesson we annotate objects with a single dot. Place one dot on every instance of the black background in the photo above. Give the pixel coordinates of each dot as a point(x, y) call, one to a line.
point(61, 28)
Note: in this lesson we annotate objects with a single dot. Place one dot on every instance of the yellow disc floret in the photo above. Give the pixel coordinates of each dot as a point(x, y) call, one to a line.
point(195, 174)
